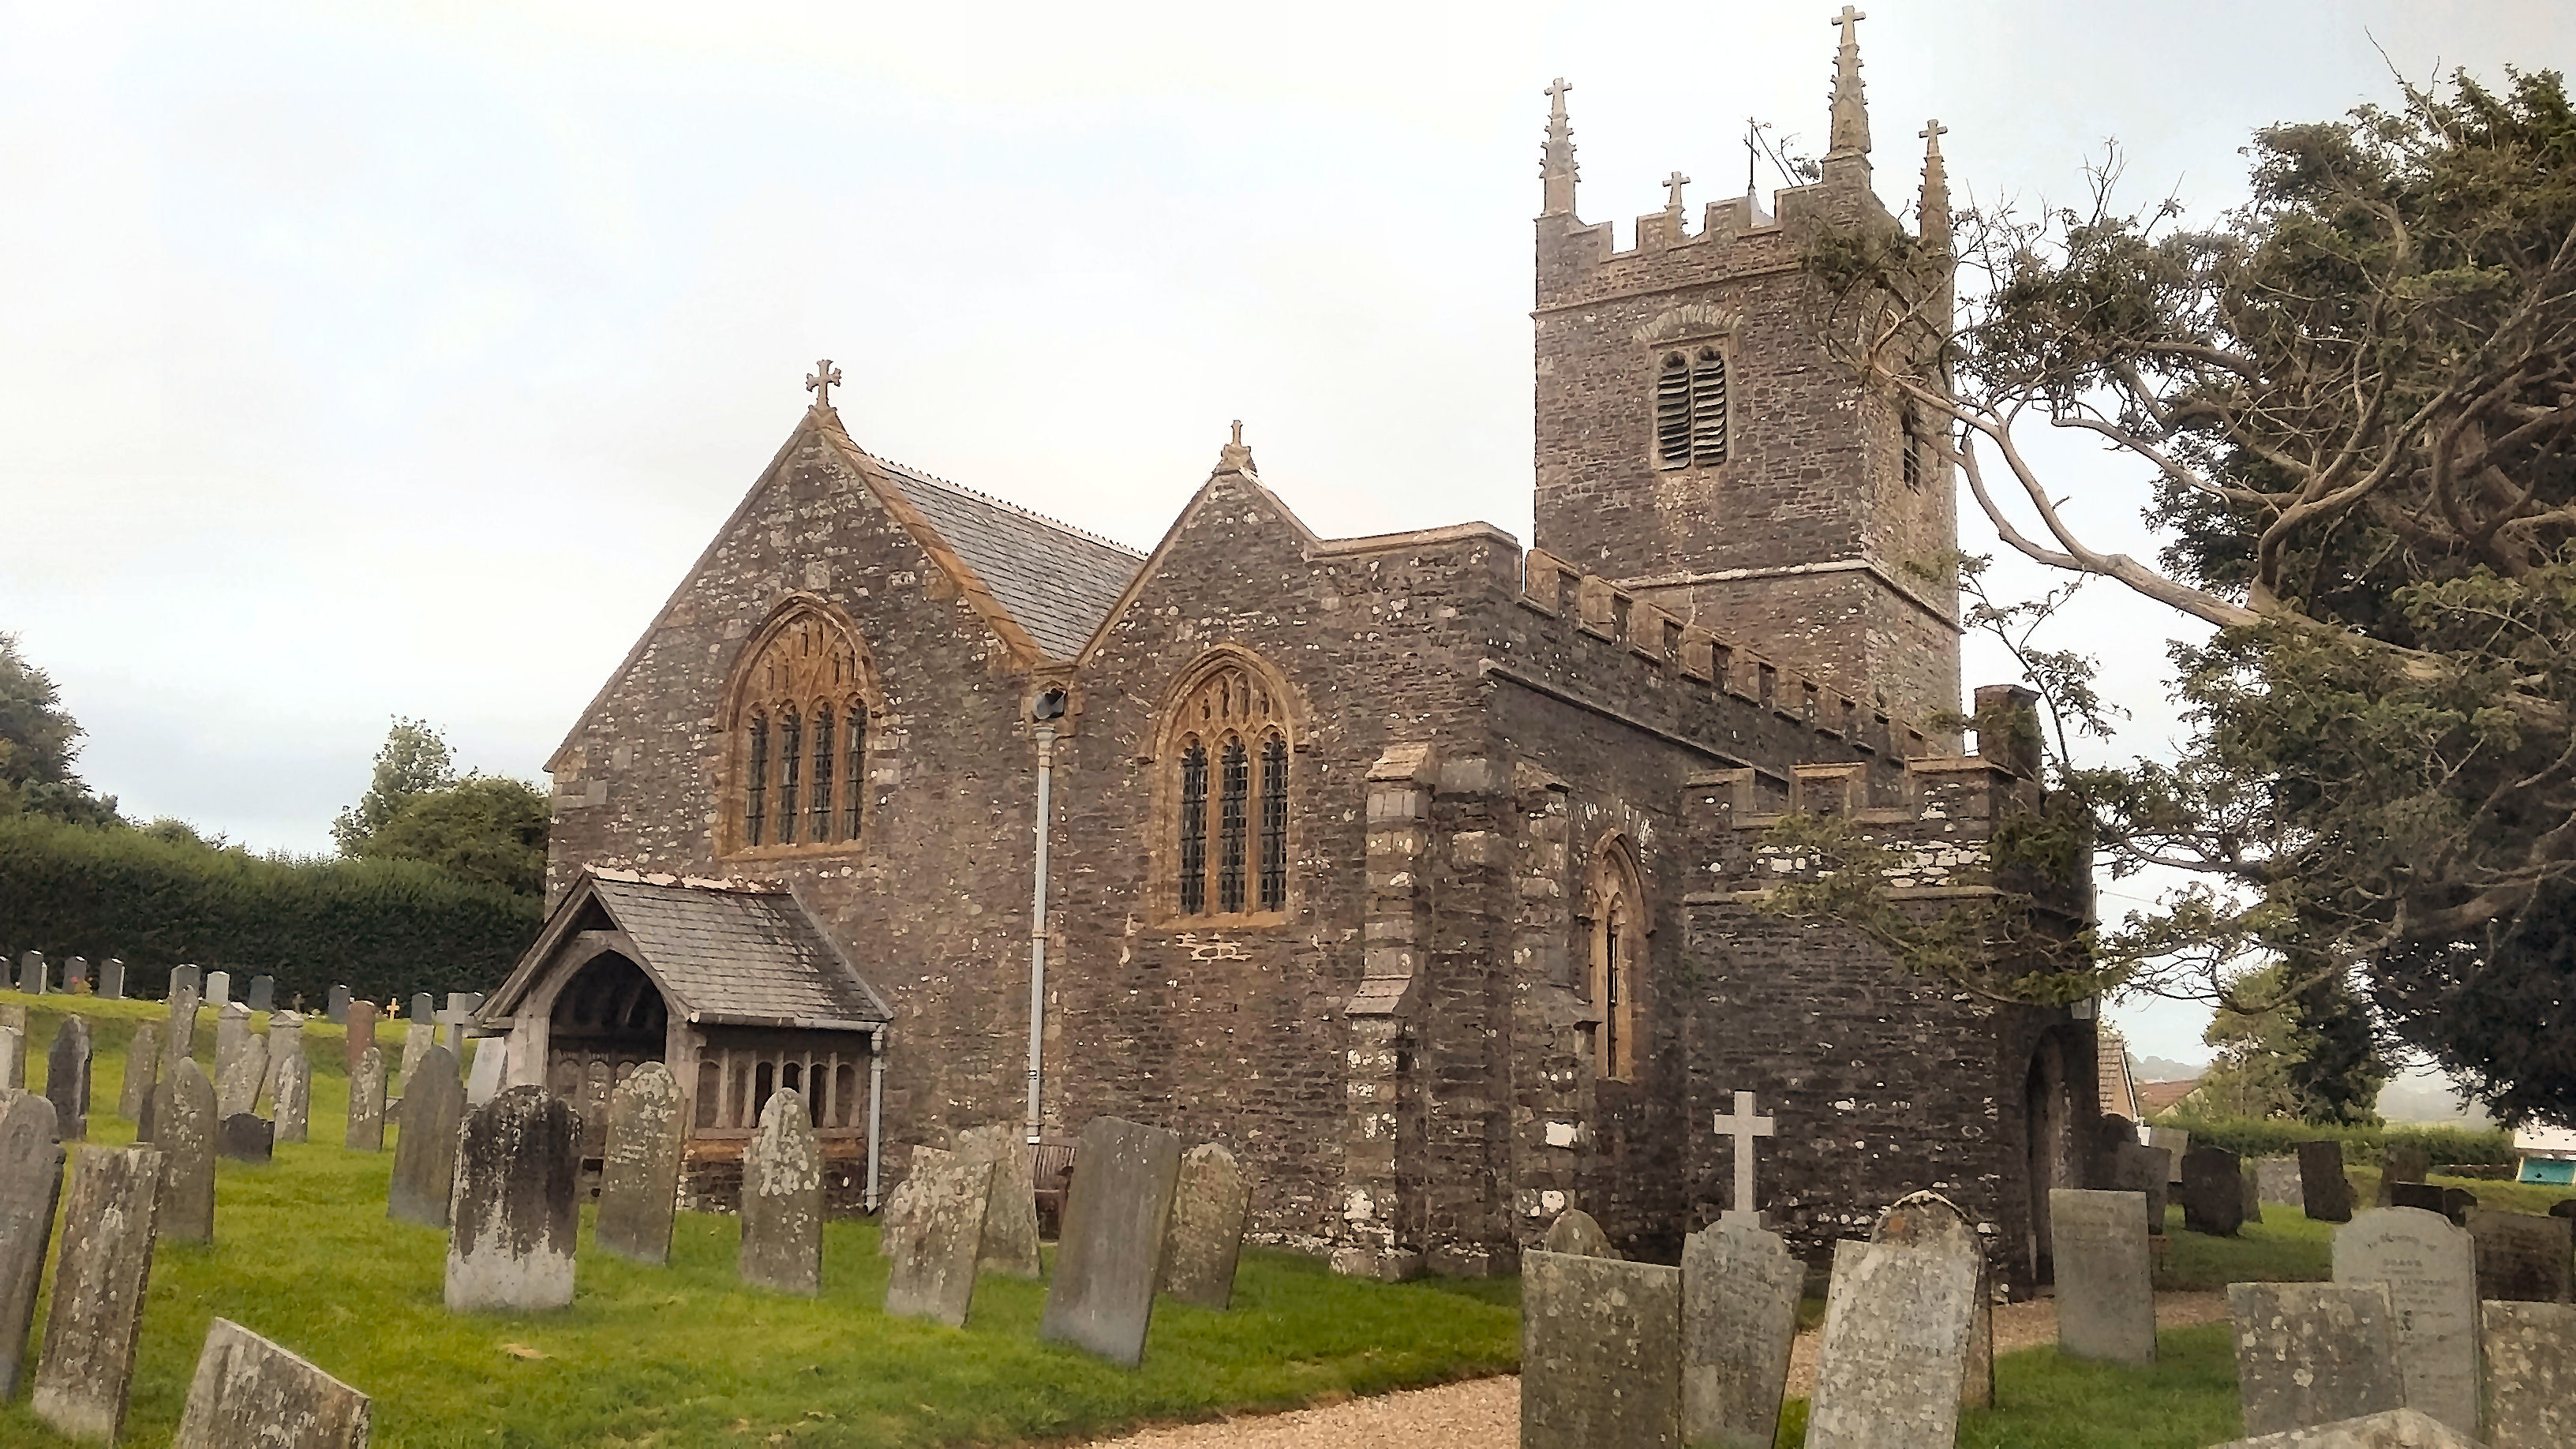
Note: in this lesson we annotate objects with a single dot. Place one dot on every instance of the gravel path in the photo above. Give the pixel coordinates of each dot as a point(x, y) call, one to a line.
point(1486, 1413)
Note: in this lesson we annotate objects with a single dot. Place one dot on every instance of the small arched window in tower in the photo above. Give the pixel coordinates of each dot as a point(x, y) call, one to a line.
point(797, 718)
point(1912, 445)
point(1617, 948)
point(1690, 408)
point(1227, 738)
point(755, 794)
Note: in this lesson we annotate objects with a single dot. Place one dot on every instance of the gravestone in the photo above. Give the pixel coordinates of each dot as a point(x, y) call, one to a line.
point(285, 1043)
point(2430, 1269)
point(2143, 1170)
point(31, 973)
point(31, 1178)
point(2531, 1374)
point(782, 1200)
point(2403, 1162)
point(67, 1078)
point(75, 975)
point(366, 1121)
point(1011, 1208)
point(111, 980)
point(2175, 1141)
point(639, 1174)
point(2106, 1301)
point(2396, 1429)
point(2325, 1193)
point(189, 979)
point(1899, 1318)
point(219, 990)
point(517, 1212)
point(896, 1211)
point(361, 1034)
point(249, 1393)
point(142, 1069)
point(335, 1007)
point(2213, 1192)
point(491, 1058)
point(933, 1272)
point(1206, 1235)
point(425, 1150)
point(424, 1011)
point(2458, 1203)
point(1601, 1363)
point(181, 1043)
point(2423, 1197)
point(1110, 1249)
point(1574, 1234)
point(186, 1133)
point(294, 1098)
point(263, 993)
point(2277, 1179)
point(2523, 1257)
point(2253, 1193)
point(1740, 1290)
point(248, 1137)
point(232, 1028)
point(85, 1370)
point(13, 1059)
point(2313, 1353)
point(418, 1042)
point(238, 1084)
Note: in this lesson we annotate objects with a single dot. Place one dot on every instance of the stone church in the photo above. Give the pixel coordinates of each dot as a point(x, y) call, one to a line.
point(1422, 870)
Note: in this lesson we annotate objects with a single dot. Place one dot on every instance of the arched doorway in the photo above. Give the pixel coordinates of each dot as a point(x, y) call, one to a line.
point(608, 1020)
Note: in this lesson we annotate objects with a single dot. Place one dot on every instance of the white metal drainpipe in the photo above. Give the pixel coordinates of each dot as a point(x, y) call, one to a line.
point(876, 1107)
point(1038, 917)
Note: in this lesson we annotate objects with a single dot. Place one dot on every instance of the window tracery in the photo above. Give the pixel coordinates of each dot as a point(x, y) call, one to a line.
point(799, 734)
point(1228, 750)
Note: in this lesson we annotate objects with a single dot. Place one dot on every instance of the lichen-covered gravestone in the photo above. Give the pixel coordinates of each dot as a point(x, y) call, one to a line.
point(517, 1211)
point(1205, 1240)
point(418, 1042)
point(285, 1044)
point(1601, 1364)
point(897, 1208)
point(933, 1272)
point(142, 1069)
point(248, 1137)
point(362, 1032)
point(2213, 1191)
point(2395, 1429)
point(1111, 1249)
point(232, 1028)
point(2325, 1193)
point(238, 1081)
point(186, 1136)
point(31, 1177)
point(67, 1077)
point(2523, 1257)
point(2277, 1180)
point(2313, 1353)
point(639, 1178)
point(2531, 1375)
point(366, 1120)
point(86, 1368)
point(1740, 1291)
point(2106, 1303)
point(1894, 1354)
point(425, 1151)
point(1576, 1235)
point(782, 1200)
point(249, 1393)
point(491, 1068)
point(1011, 1211)
point(2430, 1268)
point(294, 1091)
point(181, 1043)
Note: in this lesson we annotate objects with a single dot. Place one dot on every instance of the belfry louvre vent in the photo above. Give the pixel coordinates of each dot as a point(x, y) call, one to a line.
point(1690, 409)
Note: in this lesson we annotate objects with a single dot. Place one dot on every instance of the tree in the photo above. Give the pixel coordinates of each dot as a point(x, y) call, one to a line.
point(484, 828)
point(2312, 1060)
point(39, 743)
point(2356, 400)
point(414, 760)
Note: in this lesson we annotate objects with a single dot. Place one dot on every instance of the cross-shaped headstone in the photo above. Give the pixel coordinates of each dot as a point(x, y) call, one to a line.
point(1933, 131)
point(1849, 18)
point(821, 381)
point(1556, 93)
point(1743, 1126)
point(1673, 185)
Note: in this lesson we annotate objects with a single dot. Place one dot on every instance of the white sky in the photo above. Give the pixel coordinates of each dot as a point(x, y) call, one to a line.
point(397, 359)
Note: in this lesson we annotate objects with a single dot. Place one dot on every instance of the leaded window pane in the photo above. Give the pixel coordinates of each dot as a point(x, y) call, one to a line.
point(855, 779)
point(1236, 786)
point(1274, 824)
point(791, 760)
point(820, 797)
point(1194, 829)
point(755, 797)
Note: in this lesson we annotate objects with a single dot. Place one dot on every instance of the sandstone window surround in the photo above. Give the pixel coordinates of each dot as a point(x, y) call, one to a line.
point(796, 732)
point(1224, 767)
point(1692, 416)
point(1912, 444)
point(1616, 938)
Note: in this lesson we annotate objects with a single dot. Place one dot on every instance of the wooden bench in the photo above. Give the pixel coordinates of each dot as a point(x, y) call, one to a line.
point(1052, 1172)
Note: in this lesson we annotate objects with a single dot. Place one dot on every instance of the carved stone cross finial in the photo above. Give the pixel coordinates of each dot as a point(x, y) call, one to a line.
point(821, 381)
point(1556, 93)
point(1234, 457)
point(1933, 131)
point(1673, 185)
point(1849, 18)
point(1238, 432)
point(1743, 1126)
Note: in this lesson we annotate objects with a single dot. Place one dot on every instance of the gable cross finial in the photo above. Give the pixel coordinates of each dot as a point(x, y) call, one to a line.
point(1556, 95)
point(1850, 17)
point(1933, 131)
point(821, 381)
point(1234, 457)
point(1673, 185)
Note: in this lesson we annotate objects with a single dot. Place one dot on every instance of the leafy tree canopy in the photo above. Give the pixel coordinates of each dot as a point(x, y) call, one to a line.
point(39, 743)
point(484, 828)
point(414, 760)
point(2311, 1060)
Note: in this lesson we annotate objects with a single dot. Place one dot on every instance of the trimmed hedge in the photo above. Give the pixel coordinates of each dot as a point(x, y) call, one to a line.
point(2361, 1145)
point(383, 928)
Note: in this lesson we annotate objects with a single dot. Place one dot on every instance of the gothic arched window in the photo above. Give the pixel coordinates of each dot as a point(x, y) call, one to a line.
point(798, 726)
point(1913, 443)
point(1617, 951)
point(1227, 752)
point(1690, 408)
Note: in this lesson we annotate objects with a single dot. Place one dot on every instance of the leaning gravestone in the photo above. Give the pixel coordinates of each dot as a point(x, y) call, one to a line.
point(2106, 1301)
point(86, 1368)
point(1576, 1235)
point(142, 1069)
point(1205, 1239)
point(639, 1175)
point(186, 1135)
point(1011, 1210)
point(1740, 1291)
point(31, 1178)
point(782, 1200)
point(933, 1273)
point(249, 1393)
point(2396, 1429)
point(2523, 1257)
point(248, 1137)
point(2531, 1375)
point(425, 1152)
point(263, 993)
point(2213, 1191)
point(2313, 1353)
point(111, 980)
point(335, 1006)
point(366, 1118)
point(1899, 1316)
point(67, 1077)
point(2430, 1269)
point(517, 1209)
point(294, 1098)
point(2325, 1193)
point(237, 1084)
point(362, 1032)
point(1111, 1247)
point(1601, 1363)
point(2276, 1180)
point(491, 1060)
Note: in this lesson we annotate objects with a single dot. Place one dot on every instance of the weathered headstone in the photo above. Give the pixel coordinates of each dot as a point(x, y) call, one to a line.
point(1574, 1234)
point(1740, 1291)
point(933, 1272)
point(418, 1042)
point(67, 1077)
point(294, 1098)
point(2143, 1170)
point(232, 1028)
point(2325, 1193)
point(366, 1120)
point(86, 1368)
point(2421, 1196)
point(31, 973)
point(2523, 1257)
point(491, 1060)
point(263, 993)
point(425, 1150)
point(361, 1034)
point(248, 1137)
point(2277, 1180)
point(111, 980)
point(188, 979)
point(13, 1059)
point(424, 1010)
point(1111, 1247)
point(285, 1043)
point(249, 1393)
point(186, 1135)
point(2396, 1429)
point(31, 1177)
point(639, 1178)
point(1899, 1317)
point(1205, 1238)
point(2430, 1269)
point(2213, 1192)
point(237, 1085)
point(2175, 1141)
point(2457, 1204)
point(2313, 1353)
point(219, 990)
point(142, 1069)
point(2106, 1301)
point(2253, 1192)
point(896, 1210)
point(75, 975)
point(517, 1212)
point(181, 1043)
point(1011, 1210)
point(335, 1006)
point(2531, 1374)
point(2407, 1161)
point(1601, 1363)
point(782, 1200)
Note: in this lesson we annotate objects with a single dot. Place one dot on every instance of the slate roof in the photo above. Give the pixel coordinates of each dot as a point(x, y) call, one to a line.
point(1056, 580)
point(736, 953)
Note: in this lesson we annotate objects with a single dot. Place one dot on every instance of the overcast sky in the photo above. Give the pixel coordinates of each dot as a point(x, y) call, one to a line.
point(397, 359)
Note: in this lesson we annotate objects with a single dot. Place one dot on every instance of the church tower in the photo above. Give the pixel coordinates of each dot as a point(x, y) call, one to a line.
point(1698, 443)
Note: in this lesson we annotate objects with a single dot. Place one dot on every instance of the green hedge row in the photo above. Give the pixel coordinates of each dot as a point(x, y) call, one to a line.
point(2361, 1145)
point(383, 928)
